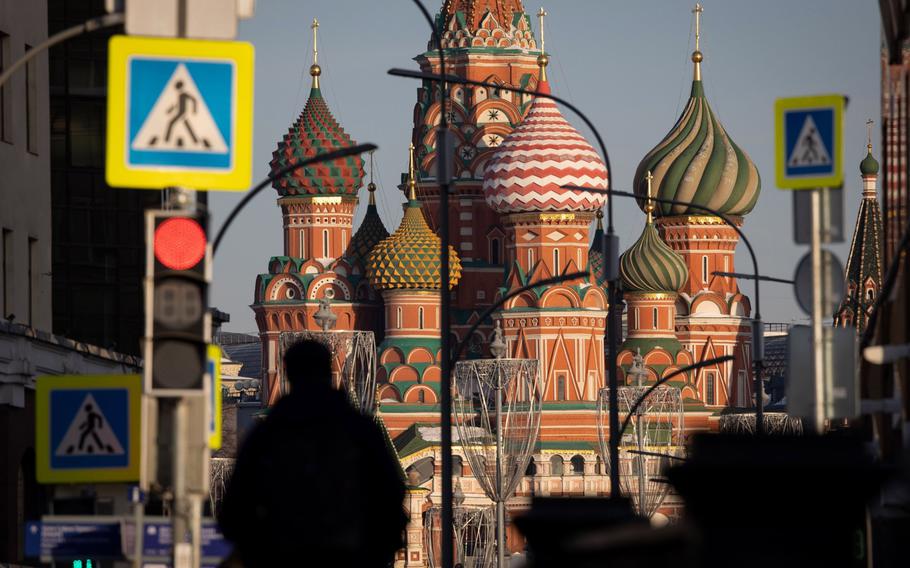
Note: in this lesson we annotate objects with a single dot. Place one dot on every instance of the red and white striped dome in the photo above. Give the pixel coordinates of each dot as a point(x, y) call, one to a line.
point(543, 154)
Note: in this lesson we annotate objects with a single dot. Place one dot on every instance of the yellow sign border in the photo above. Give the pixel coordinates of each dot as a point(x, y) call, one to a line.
point(44, 385)
point(120, 174)
point(781, 106)
point(214, 354)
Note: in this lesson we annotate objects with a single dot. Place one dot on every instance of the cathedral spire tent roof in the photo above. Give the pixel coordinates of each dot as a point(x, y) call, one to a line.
point(697, 161)
point(409, 258)
point(316, 131)
point(533, 165)
point(484, 24)
point(371, 230)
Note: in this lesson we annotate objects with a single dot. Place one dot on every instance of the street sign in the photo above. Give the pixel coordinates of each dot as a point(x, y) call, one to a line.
point(831, 215)
point(88, 428)
point(832, 285)
point(214, 406)
point(180, 113)
point(840, 347)
point(809, 141)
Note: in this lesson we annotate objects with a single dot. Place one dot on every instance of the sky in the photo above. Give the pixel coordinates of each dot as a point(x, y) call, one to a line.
point(625, 64)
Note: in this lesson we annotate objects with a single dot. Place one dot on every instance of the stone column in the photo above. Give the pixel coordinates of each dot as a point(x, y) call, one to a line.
point(415, 554)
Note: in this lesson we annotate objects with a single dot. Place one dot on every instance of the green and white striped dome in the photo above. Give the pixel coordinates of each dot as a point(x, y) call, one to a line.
point(651, 266)
point(697, 162)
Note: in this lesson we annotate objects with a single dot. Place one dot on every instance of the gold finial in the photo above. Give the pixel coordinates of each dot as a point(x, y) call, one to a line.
point(869, 124)
point(697, 55)
point(649, 205)
point(412, 175)
point(543, 59)
point(315, 69)
point(372, 186)
point(600, 219)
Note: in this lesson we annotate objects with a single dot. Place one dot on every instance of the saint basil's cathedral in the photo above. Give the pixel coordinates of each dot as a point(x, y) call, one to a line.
point(513, 221)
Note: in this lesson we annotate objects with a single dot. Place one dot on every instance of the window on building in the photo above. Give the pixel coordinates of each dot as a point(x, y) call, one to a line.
point(31, 104)
point(421, 396)
point(710, 385)
point(4, 111)
point(495, 251)
point(741, 389)
point(557, 465)
point(325, 243)
point(399, 317)
point(637, 321)
point(7, 265)
point(344, 239)
point(870, 294)
point(655, 316)
point(578, 465)
point(420, 318)
point(530, 259)
point(556, 262)
point(32, 279)
point(704, 269)
point(560, 386)
point(300, 244)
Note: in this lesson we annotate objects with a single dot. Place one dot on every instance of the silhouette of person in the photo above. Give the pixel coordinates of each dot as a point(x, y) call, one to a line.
point(92, 422)
point(315, 483)
point(184, 101)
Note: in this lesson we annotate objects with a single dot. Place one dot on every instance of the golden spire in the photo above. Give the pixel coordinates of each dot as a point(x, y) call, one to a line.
point(600, 219)
point(543, 59)
point(372, 186)
point(869, 124)
point(649, 205)
point(697, 55)
point(315, 69)
point(412, 175)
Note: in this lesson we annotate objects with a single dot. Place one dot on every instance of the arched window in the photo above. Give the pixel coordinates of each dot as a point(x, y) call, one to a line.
point(710, 380)
point(556, 262)
point(578, 465)
point(325, 243)
point(654, 315)
point(560, 386)
point(301, 242)
point(399, 317)
point(704, 269)
point(556, 465)
point(494, 251)
point(421, 396)
point(420, 318)
point(870, 294)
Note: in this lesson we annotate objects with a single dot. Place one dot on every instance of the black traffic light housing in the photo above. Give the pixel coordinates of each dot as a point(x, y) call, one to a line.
point(178, 330)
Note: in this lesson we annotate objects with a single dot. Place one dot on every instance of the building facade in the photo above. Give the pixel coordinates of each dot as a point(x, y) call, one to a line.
point(515, 220)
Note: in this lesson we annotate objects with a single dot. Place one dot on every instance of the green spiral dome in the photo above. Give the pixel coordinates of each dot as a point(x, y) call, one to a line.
point(651, 266)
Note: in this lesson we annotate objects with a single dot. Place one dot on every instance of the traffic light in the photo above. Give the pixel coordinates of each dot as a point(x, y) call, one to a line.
point(177, 323)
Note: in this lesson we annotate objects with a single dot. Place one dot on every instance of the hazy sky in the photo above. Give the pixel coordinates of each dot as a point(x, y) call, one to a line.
point(626, 64)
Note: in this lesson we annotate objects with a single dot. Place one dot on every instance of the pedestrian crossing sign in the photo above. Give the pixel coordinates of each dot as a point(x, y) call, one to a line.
point(179, 113)
point(809, 141)
point(88, 428)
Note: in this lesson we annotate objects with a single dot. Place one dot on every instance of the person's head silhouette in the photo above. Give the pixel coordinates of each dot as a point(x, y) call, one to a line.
point(308, 363)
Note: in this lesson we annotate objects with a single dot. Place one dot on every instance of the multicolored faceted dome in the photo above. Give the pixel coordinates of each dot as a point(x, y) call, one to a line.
point(532, 166)
point(370, 232)
point(409, 259)
point(316, 132)
point(697, 162)
point(651, 266)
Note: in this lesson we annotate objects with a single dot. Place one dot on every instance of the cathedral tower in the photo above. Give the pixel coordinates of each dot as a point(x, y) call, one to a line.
point(698, 163)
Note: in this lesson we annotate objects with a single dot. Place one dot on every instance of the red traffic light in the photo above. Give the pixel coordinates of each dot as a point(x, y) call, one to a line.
point(179, 243)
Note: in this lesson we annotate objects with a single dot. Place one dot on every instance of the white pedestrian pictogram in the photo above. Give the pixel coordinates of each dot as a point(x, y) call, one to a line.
point(180, 120)
point(89, 434)
point(810, 149)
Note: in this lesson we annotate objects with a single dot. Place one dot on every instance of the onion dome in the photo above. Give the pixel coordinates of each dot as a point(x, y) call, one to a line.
point(697, 161)
point(595, 253)
point(371, 230)
point(316, 132)
point(650, 265)
point(533, 165)
point(869, 165)
point(409, 259)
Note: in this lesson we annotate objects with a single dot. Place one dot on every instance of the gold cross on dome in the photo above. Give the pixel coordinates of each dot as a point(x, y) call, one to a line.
point(869, 124)
point(541, 14)
point(697, 11)
point(649, 205)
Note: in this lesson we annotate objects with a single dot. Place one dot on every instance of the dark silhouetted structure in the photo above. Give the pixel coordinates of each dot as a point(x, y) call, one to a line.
point(314, 483)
